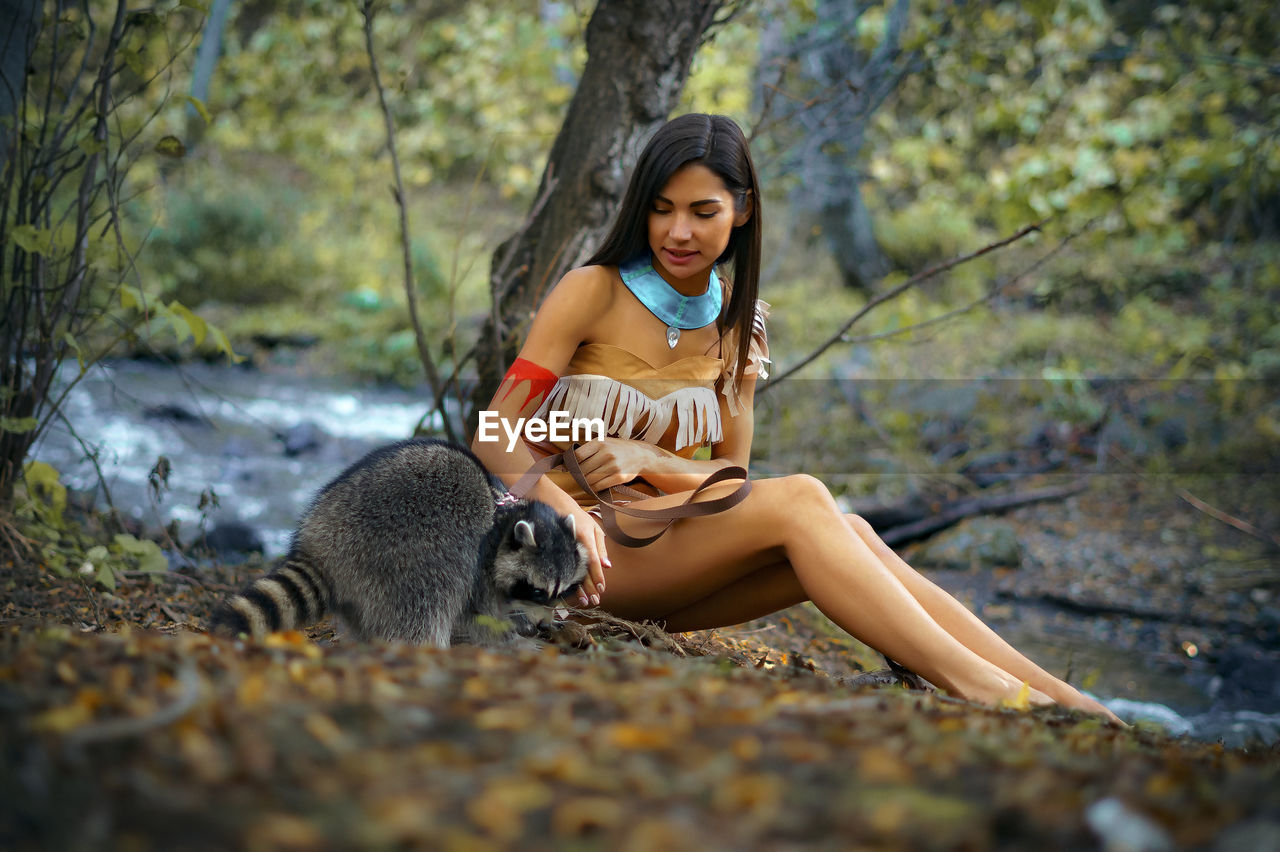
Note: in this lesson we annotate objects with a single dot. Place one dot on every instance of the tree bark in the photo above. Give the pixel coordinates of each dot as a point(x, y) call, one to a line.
point(638, 58)
point(834, 88)
point(17, 39)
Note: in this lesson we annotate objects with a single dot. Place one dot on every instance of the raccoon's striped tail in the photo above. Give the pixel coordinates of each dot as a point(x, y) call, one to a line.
point(292, 595)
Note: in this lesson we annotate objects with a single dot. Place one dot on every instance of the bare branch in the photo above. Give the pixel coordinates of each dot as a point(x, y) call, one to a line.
point(127, 727)
point(424, 354)
point(989, 296)
point(895, 292)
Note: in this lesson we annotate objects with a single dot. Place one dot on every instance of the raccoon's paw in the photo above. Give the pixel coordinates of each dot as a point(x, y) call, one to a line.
point(523, 624)
point(523, 643)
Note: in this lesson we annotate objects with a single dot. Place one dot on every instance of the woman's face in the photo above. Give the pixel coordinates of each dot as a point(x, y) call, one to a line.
point(690, 223)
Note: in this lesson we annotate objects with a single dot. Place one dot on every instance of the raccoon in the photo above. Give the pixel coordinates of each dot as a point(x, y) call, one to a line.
point(417, 543)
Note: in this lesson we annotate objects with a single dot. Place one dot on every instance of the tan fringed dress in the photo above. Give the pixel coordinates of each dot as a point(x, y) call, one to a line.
point(678, 407)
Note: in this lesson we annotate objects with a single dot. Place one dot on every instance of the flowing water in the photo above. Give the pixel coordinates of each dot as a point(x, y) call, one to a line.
point(264, 442)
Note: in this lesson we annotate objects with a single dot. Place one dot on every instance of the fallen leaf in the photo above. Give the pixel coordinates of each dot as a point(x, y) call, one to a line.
point(584, 814)
point(629, 735)
point(1021, 702)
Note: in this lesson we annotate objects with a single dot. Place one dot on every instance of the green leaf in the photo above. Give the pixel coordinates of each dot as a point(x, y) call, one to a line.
point(171, 146)
point(131, 297)
point(106, 576)
point(18, 425)
point(197, 326)
point(90, 146)
point(42, 481)
point(223, 344)
point(133, 58)
point(149, 555)
point(31, 239)
point(198, 106)
point(179, 323)
point(75, 347)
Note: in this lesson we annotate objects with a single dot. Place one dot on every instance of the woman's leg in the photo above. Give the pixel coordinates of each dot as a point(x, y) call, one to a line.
point(794, 519)
point(763, 591)
point(966, 627)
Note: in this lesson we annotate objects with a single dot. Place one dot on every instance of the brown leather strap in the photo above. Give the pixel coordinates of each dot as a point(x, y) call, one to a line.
point(609, 509)
point(531, 476)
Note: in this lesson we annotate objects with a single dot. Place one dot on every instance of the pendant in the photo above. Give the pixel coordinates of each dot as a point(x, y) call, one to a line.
point(673, 336)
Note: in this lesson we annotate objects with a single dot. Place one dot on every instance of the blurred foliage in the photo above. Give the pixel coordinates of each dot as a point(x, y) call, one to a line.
point(732, 743)
point(472, 87)
point(66, 547)
point(1155, 125)
point(226, 242)
point(1162, 124)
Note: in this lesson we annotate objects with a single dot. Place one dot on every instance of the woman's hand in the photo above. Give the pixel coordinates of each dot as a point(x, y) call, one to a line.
point(589, 534)
point(616, 461)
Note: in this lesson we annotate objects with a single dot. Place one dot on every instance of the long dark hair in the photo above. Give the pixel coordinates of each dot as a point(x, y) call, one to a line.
point(716, 142)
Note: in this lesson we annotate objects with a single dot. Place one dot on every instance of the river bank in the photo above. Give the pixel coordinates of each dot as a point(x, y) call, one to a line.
point(1128, 588)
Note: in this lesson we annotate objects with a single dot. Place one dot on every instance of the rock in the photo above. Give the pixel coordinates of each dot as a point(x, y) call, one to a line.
point(1122, 829)
point(232, 538)
point(174, 413)
point(238, 448)
point(883, 516)
point(294, 340)
point(1172, 433)
point(302, 438)
point(1258, 835)
point(977, 542)
point(1238, 729)
point(1247, 676)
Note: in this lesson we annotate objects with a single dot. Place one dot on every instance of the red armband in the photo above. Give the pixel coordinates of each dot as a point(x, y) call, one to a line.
point(540, 379)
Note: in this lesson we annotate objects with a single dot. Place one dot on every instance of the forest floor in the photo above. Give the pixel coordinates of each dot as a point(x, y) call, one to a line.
point(124, 725)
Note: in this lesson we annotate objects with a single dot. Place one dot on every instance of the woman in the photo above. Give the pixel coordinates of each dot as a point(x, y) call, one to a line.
point(651, 340)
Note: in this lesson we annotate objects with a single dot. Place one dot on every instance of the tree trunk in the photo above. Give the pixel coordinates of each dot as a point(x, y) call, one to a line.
point(206, 62)
point(21, 19)
point(834, 86)
point(850, 234)
point(638, 58)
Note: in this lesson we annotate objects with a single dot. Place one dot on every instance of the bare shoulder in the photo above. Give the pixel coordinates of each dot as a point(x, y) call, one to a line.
point(587, 287)
point(586, 294)
point(572, 309)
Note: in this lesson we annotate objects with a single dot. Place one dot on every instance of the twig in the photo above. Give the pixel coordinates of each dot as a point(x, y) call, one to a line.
point(1230, 520)
point(640, 631)
point(974, 506)
point(1210, 510)
point(424, 354)
point(981, 300)
point(1064, 601)
point(93, 600)
point(173, 616)
point(894, 292)
point(159, 574)
point(117, 729)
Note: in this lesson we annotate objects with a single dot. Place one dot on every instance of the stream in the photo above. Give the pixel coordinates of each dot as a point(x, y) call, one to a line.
point(264, 442)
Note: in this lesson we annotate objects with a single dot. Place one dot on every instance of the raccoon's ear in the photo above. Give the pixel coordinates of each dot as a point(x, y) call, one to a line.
point(524, 534)
point(572, 525)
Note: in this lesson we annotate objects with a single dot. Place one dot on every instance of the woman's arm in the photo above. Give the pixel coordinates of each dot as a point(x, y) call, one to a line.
point(564, 320)
point(616, 461)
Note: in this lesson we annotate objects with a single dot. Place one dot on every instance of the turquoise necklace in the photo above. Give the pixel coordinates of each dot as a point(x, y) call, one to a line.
point(677, 310)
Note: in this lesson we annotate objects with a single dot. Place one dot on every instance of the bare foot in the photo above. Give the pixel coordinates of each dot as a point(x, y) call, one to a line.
point(1090, 705)
point(1070, 697)
point(997, 689)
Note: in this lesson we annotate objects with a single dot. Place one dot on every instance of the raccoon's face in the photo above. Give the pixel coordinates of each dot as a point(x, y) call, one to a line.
point(541, 562)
